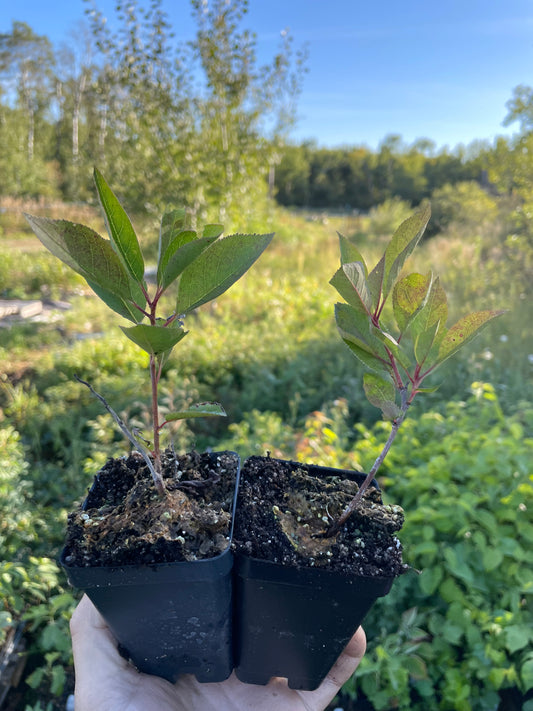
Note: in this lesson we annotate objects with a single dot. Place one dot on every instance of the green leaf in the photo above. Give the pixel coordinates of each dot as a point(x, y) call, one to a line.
point(464, 331)
point(200, 409)
point(526, 676)
point(354, 326)
point(430, 580)
point(59, 677)
point(381, 393)
point(392, 345)
point(213, 231)
point(401, 246)
point(35, 679)
point(120, 229)
point(433, 309)
point(217, 268)
point(178, 257)
point(517, 637)
point(424, 342)
point(416, 667)
point(428, 390)
point(375, 282)
point(356, 273)
point(179, 240)
point(408, 296)
point(491, 558)
point(360, 351)
point(172, 222)
point(349, 252)
point(155, 339)
point(85, 251)
point(350, 282)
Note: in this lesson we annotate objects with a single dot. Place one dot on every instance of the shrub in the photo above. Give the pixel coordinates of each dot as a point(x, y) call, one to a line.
point(464, 204)
point(15, 518)
point(464, 477)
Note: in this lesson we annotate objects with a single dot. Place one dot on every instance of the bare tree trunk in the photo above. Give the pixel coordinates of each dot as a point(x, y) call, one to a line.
point(26, 93)
point(78, 97)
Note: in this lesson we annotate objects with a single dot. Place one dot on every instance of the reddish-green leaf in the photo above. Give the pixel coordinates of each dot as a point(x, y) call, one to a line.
point(120, 229)
point(433, 309)
point(350, 253)
point(200, 409)
point(424, 342)
point(408, 296)
point(402, 244)
point(392, 345)
point(350, 282)
point(360, 351)
point(355, 331)
point(381, 393)
point(375, 283)
point(464, 331)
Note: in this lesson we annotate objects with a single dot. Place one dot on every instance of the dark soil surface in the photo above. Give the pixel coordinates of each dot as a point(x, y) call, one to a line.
point(124, 521)
point(284, 510)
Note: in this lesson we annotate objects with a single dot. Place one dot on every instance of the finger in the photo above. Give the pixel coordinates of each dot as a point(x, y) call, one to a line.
point(339, 674)
point(93, 645)
point(87, 626)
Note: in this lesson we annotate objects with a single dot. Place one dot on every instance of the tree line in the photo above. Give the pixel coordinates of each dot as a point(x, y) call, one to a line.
point(204, 124)
point(196, 122)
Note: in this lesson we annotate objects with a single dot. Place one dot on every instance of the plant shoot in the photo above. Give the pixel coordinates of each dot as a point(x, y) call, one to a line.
point(200, 267)
point(398, 358)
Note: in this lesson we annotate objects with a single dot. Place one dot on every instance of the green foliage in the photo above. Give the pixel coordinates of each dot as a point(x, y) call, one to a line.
point(466, 482)
point(203, 267)
point(384, 218)
point(385, 182)
point(465, 205)
point(210, 141)
point(420, 310)
point(30, 276)
point(33, 592)
point(15, 520)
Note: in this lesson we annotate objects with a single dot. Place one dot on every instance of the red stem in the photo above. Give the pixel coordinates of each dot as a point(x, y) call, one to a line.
point(407, 399)
point(154, 377)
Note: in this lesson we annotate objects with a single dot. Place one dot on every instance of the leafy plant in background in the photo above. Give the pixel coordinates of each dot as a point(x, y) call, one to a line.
point(468, 481)
point(33, 592)
point(202, 266)
point(420, 310)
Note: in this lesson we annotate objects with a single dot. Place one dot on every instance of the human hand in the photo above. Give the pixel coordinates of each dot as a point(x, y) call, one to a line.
point(107, 682)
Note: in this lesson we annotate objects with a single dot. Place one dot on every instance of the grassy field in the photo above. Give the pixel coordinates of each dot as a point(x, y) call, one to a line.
point(269, 351)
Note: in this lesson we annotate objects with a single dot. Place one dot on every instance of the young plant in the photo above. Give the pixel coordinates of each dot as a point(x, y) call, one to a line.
point(398, 363)
point(199, 266)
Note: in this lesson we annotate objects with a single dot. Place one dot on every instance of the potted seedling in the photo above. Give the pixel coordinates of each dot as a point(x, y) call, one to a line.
point(151, 543)
point(315, 546)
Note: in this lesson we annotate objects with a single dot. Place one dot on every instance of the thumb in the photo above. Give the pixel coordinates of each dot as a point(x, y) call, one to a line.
point(339, 674)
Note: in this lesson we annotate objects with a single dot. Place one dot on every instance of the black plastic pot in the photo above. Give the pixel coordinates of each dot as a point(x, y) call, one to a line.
point(295, 622)
point(171, 618)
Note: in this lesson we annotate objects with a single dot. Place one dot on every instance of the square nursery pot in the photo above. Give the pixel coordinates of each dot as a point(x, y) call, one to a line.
point(168, 618)
point(294, 622)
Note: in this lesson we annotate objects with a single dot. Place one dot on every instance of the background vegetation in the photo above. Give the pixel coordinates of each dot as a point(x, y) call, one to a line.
point(456, 631)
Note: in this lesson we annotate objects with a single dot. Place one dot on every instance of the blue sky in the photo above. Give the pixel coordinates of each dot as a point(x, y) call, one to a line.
point(422, 69)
